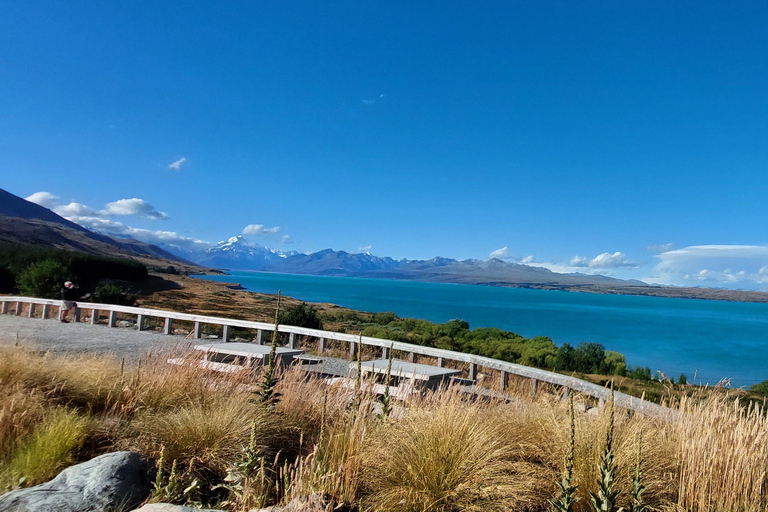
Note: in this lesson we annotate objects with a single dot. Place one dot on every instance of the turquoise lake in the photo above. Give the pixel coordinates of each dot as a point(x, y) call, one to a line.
point(714, 338)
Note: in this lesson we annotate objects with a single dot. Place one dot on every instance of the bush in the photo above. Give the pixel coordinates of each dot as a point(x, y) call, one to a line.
point(110, 293)
point(761, 388)
point(302, 315)
point(43, 279)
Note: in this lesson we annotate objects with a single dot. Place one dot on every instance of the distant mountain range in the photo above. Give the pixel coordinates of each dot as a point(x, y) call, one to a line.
point(237, 253)
point(26, 223)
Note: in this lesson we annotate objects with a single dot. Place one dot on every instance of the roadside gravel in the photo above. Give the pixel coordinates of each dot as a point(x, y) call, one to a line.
point(121, 342)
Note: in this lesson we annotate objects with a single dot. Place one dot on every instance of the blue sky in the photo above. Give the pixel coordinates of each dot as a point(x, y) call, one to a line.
point(626, 138)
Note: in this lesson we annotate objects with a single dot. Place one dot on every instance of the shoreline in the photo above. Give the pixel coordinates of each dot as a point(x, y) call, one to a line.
point(663, 292)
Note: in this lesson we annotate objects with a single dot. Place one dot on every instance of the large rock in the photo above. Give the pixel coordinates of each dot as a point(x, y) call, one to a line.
point(113, 482)
point(167, 507)
point(311, 503)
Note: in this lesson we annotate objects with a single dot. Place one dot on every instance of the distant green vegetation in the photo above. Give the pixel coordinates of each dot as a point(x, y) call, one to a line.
point(760, 388)
point(301, 315)
point(40, 271)
point(540, 352)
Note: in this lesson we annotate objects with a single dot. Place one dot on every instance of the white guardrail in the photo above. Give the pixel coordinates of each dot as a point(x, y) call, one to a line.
point(474, 361)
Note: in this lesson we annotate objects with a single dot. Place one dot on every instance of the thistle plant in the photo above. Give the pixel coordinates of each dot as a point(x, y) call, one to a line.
point(567, 492)
point(359, 377)
point(605, 499)
point(267, 391)
point(638, 488)
point(247, 480)
point(174, 487)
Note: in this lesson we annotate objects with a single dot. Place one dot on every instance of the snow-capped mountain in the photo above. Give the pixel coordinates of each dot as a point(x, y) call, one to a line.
point(238, 253)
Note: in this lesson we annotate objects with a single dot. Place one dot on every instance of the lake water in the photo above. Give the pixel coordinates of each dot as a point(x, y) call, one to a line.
point(718, 339)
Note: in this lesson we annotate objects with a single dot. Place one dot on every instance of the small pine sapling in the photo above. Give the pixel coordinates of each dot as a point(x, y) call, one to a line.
point(605, 499)
point(567, 492)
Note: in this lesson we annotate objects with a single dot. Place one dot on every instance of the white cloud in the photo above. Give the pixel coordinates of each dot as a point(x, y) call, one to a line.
point(579, 261)
point(177, 164)
point(115, 228)
point(260, 230)
point(603, 261)
point(374, 100)
point(285, 239)
point(133, 206)
point(659, 248)
point(74, 209)
point(44, 199)
point(501, 254)
point(608, 260)
point(364, 248)
point(528, 259)
point(713, 265)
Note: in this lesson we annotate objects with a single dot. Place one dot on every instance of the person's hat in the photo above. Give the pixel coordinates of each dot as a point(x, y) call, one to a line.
point(68, 284)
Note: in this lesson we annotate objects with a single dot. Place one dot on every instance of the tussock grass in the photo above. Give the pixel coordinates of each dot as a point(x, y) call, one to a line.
point(212, 432)
point(440, 452)
point(446, 456)
point(49, 448)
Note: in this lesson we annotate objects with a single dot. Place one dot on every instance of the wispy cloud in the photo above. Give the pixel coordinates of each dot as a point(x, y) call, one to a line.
point(500, 254)
point(114, 228)
point(133, 206)
point(285, 239)
point(528, 259)
point(177, 164)
point(364, 248)
point(374, 100)
point(260, 230)
point(733, 266)
point(659, 248)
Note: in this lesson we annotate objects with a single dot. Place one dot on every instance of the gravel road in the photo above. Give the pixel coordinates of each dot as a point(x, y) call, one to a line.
point(122, 342)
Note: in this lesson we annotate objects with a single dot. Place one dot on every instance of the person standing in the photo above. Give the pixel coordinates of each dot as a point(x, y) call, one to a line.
point(68, 296)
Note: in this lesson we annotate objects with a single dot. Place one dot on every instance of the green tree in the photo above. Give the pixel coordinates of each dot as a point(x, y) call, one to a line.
point(302, 315)
point(43, 279)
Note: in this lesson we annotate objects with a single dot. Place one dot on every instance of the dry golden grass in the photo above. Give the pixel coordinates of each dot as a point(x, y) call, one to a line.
point(446, 456)
point(212, 432)
point(722, 455)
point(440, 452)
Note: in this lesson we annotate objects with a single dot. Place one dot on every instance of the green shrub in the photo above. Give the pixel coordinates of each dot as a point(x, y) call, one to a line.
point(761, 388)
point(43, 279)
point(302, 315)
point(110, 293)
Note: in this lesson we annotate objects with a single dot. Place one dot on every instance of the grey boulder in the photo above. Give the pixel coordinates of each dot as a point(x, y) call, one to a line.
point(167, 507)
point(113, 482)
